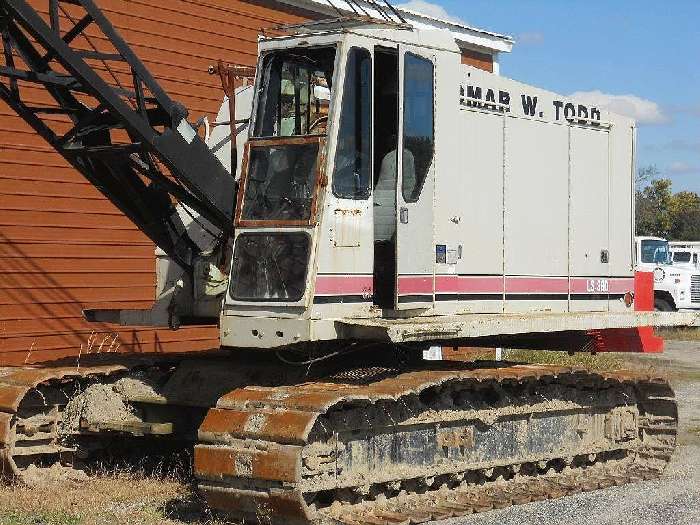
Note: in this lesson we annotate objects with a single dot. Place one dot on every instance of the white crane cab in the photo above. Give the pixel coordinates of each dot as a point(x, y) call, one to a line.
point(426, 188)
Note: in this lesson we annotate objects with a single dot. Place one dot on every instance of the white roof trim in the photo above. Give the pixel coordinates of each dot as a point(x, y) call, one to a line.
point(463, 34)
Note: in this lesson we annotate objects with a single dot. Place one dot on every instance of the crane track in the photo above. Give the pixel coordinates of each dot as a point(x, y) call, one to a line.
point(32, 401)
point(431, 444)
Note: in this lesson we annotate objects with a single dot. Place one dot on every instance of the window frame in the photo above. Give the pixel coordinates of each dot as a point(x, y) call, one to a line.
point(320, 180)
point(341, 99)
point(257, 117)
point(419, 190)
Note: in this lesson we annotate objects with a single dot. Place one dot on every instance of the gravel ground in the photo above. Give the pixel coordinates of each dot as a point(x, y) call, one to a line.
point(672, 500)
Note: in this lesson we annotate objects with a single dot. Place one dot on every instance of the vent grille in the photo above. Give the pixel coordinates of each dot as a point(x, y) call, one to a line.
point(695, 288)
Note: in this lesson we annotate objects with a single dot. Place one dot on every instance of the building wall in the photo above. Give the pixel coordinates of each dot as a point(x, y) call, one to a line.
point(480, 60)
point(63, 246)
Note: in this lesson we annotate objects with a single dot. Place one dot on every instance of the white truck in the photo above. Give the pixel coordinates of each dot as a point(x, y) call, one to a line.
point(676, 286)
point(685, 253)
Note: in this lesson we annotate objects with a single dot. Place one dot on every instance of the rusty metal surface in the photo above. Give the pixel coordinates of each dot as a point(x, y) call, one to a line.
point(281, 505)
point(248, 484)
point(11, 396)
point(229, 74)
point(288, 427)
point(278, 463)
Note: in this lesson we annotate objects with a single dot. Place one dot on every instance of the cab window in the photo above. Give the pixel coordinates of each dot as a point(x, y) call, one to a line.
point(418, 125)
point(352, 171)
point(295, 93)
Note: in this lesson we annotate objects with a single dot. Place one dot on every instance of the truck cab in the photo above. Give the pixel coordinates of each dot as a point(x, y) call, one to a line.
point(685, 254)
point(676, 285)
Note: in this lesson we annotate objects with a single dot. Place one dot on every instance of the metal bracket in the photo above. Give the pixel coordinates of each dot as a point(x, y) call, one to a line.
point(229, 75)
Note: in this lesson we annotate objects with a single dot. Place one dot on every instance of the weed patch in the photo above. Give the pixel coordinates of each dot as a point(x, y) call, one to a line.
point(679, 334)
point(602, 361)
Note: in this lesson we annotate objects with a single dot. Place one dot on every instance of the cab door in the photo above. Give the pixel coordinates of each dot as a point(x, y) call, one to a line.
point(415, 249)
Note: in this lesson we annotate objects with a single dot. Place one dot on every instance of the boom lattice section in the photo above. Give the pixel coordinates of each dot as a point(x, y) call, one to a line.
point(111, 119)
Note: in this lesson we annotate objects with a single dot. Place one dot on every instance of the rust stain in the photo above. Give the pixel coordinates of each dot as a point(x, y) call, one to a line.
point(287, 426)
point(223, 421)
point(461, 438)
point(5, 422)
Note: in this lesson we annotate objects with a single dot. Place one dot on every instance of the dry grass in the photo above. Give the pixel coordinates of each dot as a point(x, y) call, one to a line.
point(601, 361)
point(679, 334)
point(103, 500)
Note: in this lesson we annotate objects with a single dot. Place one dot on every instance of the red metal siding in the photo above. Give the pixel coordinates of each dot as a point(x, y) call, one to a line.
point(63, 246)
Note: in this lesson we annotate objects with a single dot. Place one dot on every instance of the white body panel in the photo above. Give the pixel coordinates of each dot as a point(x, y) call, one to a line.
point(528, 206)
point(685, 254)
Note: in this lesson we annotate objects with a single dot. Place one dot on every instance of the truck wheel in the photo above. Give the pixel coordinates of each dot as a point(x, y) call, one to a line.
point(661, 305)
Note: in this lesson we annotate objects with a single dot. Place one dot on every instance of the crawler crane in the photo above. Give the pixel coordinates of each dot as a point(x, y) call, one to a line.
point(366, 198)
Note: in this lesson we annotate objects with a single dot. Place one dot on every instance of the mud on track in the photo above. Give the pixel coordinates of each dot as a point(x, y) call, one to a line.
point(674, 499)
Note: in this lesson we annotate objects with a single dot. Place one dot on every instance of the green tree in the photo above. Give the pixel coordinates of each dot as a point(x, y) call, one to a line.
point(662, 213)
point(653, 203)
point(685, 216)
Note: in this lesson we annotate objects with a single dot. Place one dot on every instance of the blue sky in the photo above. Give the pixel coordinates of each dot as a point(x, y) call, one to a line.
point(641, 57)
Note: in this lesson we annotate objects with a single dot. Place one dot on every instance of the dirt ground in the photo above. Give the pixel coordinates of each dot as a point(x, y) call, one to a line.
point(162, 498)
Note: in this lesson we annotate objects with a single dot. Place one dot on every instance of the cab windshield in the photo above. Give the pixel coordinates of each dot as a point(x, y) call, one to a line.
point(655, 252)
point(295, 92)
point(279, 184)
